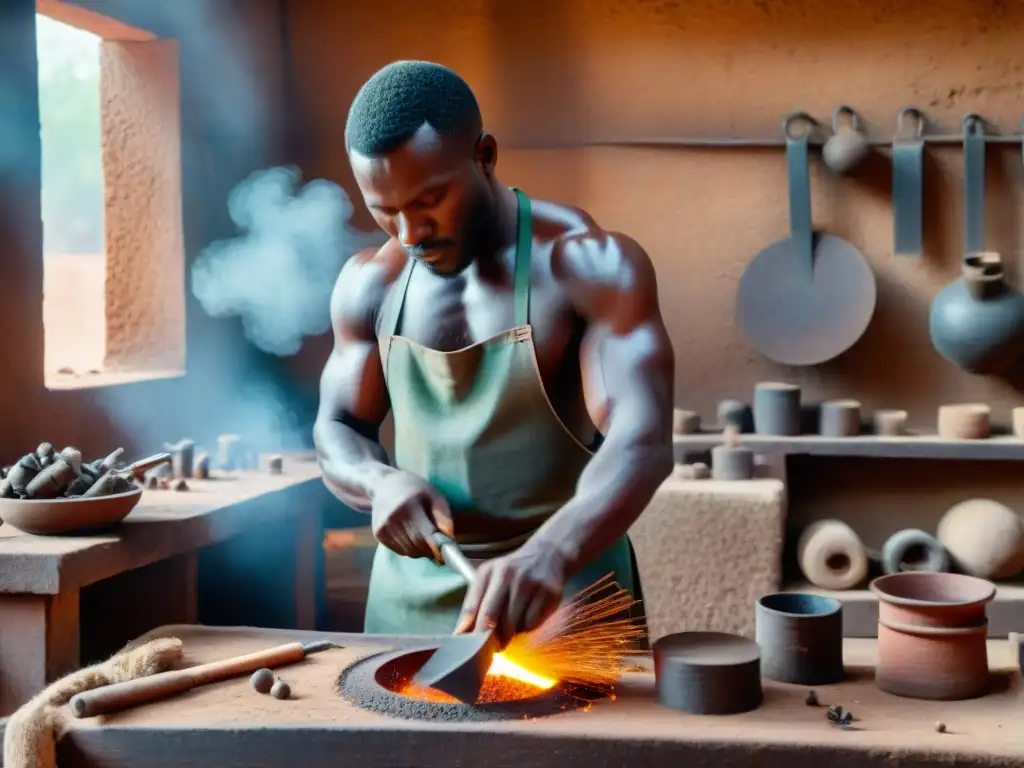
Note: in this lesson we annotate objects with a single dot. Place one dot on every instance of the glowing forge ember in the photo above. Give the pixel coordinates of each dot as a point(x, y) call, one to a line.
point(506, 681)
point(582, 645)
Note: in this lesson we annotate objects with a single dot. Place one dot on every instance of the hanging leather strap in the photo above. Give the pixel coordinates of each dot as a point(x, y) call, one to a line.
point(908, 185)
point(974, 184)
point(524, 249)
point(801, 228)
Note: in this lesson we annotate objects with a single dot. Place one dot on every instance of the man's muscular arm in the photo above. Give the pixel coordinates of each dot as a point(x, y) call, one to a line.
point(629, 369)
point(353, 395)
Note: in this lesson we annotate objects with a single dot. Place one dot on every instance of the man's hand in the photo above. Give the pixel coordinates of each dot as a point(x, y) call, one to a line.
point(407, 510)
point(514, 593)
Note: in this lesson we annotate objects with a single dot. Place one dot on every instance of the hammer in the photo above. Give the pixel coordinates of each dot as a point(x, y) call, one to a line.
point(459, 666)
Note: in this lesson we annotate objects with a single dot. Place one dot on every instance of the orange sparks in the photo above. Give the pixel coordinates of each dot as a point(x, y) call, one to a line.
point(583, 643)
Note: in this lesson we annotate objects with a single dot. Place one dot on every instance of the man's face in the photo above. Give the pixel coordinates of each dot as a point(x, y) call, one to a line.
point(430, 195)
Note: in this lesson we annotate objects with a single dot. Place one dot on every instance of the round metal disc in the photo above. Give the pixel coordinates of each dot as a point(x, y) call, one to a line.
point(795, 318)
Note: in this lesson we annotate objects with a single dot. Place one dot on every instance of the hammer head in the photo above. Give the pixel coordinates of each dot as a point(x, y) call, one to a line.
point(458, 667)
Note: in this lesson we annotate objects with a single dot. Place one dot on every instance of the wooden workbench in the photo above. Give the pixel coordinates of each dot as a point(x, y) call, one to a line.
point(228, 725)
point(41, 577)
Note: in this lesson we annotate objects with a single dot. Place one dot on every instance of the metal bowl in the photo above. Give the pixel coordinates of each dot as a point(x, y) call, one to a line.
point(48, 517)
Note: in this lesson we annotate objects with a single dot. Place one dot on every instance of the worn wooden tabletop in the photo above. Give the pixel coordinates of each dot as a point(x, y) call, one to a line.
point(227, 724)
point(164, 524)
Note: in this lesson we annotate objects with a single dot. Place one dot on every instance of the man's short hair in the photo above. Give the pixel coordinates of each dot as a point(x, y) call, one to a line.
point(396, 102)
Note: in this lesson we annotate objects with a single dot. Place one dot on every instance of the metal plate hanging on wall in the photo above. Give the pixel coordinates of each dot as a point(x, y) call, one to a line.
point(809, 297)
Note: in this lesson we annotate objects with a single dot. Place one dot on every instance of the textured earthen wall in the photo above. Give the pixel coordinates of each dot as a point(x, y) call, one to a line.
point(617, 68)
point(603, 69)
point(233, 104)
point(141, 136)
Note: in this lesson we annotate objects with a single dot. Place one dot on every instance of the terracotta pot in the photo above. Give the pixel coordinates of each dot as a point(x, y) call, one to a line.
point(932, 631)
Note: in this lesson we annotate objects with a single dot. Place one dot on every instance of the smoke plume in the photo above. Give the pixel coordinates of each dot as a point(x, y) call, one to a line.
point(277, 275)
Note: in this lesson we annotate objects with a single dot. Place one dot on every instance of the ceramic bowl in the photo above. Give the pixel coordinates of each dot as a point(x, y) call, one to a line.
point(49, 517)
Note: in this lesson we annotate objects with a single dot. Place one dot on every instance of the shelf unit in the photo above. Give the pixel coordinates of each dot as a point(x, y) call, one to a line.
point(1003, 448)
point(860, 606)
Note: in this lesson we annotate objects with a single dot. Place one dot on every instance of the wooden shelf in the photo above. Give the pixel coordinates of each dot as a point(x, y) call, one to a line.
point(860, 608)
point(872, 446)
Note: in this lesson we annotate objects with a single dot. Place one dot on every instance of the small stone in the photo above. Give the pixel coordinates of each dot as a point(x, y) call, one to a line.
point(812, 699)
point(181, 485)
point(281, 690)
point(262, 681)
point(940, 727)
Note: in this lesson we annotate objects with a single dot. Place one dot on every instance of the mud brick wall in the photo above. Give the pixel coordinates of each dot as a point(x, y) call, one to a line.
point(706, 551)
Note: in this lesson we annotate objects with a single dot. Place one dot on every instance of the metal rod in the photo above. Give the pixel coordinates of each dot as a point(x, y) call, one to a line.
point(697, 142)
point(454, 558)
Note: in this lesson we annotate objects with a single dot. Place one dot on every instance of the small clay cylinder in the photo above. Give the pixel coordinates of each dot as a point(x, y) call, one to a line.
point(735, 413)
point(230, 452)
point(685, 422)
point(275, 464)
point(776, 409)
point(839, 418)
point(801, 638)
point(182, 458)
point(201, 470)
point(831, 555)
point(914, 550)
point(889, 422)
point(964, 421)
point(732, 461)
point(1017, 414)
point(708, 673)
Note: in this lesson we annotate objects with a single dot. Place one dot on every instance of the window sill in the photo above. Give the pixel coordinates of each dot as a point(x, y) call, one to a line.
point(66, 381)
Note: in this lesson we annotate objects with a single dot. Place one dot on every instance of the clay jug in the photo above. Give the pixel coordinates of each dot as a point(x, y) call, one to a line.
point(977, 322)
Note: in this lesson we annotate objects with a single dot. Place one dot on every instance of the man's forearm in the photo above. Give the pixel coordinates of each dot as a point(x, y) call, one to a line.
point(612, 492)
point(352, 464)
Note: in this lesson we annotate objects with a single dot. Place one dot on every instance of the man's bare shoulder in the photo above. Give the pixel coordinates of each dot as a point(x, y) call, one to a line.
point(363, 284)
point(583, 253)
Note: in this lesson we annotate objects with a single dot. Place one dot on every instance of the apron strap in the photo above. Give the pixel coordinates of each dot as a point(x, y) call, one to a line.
point(391, 312)
point(524, 247)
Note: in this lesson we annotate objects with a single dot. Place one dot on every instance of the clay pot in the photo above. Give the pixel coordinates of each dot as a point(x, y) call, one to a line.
point(801, 638)
point(831, 555)
point(984, 538)
point(777, 409)
point(932, 632)
point(977, 322)
point(914, 550)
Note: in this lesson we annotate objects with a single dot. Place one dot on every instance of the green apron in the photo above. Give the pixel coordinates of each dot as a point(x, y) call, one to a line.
point(476, 423)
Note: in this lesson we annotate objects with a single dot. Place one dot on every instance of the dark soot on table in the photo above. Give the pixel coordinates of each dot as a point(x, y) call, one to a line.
point(373, 683)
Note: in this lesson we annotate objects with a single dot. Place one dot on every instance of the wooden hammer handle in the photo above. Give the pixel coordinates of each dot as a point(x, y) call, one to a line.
point(144, 690)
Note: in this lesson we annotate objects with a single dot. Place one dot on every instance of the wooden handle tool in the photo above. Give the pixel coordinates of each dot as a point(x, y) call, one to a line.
point(163, 685)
